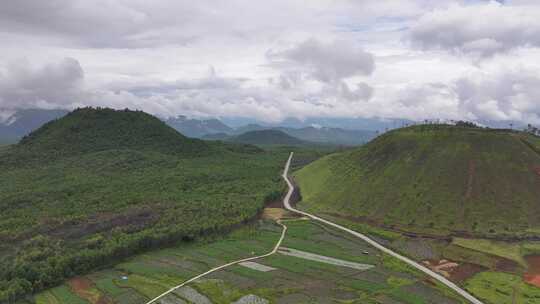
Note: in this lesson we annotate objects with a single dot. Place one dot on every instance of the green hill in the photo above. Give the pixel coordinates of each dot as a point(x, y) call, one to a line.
point(91, 130)
point(267, 137)
point(434, 179)
point(100, 185)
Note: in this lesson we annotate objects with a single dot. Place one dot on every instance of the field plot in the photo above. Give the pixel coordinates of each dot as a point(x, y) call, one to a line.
point(300, 280)
point(148, 275)
point(475, 264)
point(276, 279)
point(501, 288)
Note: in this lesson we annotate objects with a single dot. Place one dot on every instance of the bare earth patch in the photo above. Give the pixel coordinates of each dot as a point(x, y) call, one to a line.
point(532, 276)
point(85, 289)
point(457, 272)
point(274, 213)
point(465, 271)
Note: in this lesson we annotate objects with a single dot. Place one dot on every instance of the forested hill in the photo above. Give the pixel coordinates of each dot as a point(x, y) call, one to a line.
point(434, 179)
point(100, 185)
point(91, 130)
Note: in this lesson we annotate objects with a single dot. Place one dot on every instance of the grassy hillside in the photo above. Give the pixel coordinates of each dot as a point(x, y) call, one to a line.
point(433, 179)
point(267, 137)
point(99, 185)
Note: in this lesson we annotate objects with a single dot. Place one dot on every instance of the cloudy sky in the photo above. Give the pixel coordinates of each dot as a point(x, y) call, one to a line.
point(415, 59)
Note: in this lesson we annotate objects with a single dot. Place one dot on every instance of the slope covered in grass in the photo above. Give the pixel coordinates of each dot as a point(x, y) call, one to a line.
point(436, 179)
point(99, 185)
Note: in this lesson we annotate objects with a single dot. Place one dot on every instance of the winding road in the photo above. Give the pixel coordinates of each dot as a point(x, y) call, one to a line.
point(276, 247)
point(412, 263)
point(286, 203)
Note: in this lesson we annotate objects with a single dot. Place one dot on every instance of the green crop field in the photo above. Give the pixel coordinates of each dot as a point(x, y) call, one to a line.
point(294, 280)
point(432, 179)
point(502, 288)
point(511, 251)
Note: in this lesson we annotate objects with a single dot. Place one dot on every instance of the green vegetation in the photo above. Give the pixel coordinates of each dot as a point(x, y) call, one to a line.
point(502, 288)
point(511, 251)
point(100, 185)
point(294, 280)
point(432, 179)
point(60, 294)
point(88, 130)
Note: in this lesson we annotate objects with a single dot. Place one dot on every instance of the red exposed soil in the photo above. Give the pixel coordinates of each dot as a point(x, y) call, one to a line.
point(532, 276)
point(452, 270)
point(83, 288)
point(465, 271)
point(537, 170)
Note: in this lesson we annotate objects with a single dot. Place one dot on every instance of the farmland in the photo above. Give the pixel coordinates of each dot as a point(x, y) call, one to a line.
point(293, 279)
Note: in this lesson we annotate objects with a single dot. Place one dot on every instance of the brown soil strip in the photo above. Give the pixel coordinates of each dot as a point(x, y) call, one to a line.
point(465, 271)
point(274, 213)
point(445, 237)
point(506, 265)
point(532, 276)
point(537, 170)
point(85, 289)
point(457, 272)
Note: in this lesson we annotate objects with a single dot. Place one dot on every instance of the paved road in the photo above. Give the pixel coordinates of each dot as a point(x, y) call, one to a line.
point(276, 247)
point(414, 264)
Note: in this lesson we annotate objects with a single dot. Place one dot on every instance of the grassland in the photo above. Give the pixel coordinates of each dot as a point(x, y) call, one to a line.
point(511, 251)
point(432, 179)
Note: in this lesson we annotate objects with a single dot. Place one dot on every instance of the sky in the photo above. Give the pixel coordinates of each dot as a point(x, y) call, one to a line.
point(269, 60)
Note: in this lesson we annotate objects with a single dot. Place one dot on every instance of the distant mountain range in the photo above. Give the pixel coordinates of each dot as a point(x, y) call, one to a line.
point(327, 135)
point(198, 128)
point(23, 122)
point(267, 137)
point(214, 129)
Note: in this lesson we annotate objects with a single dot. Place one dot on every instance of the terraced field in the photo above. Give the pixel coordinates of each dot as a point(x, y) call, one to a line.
point(289, 280)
